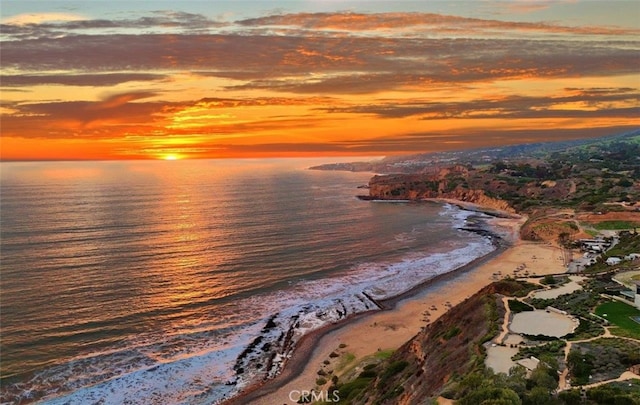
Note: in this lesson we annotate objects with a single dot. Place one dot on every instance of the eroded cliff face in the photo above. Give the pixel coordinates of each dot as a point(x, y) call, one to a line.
point(449, 347)
point(450, 183)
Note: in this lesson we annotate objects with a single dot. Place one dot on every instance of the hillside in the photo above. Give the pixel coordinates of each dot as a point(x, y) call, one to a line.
point(585, 178)
point(450, 359)
point(602, 179)
point(437, 355)
point(426, 161)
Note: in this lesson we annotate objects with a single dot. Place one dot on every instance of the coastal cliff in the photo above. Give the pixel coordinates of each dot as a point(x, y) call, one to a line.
point(442, 352)
point(457, 183)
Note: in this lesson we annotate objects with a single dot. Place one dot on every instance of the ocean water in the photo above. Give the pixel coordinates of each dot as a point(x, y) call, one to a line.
point(179, 282)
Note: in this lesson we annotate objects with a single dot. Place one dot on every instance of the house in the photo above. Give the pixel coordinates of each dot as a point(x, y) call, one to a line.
point(612, 261)
point(632, 256)
point(530, 364)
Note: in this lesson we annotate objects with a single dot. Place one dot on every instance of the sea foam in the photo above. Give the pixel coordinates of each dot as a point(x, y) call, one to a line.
point(227, 363)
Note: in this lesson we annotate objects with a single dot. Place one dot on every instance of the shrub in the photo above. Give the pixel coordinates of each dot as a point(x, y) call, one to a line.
point(518, 306)
point(455, 331)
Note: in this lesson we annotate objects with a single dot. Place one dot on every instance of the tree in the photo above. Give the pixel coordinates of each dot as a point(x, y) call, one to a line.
point(539, 396)
point(517, 380)
point(580, 366)
point(544, 376)
point(489, 395)
point(571, 397)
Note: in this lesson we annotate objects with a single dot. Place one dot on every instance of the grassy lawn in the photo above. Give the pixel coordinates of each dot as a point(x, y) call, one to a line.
point(619, 313)
point(615, 225)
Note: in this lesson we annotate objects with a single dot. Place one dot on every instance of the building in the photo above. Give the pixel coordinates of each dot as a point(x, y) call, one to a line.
point(637, 300)
point(529, 364)
point(612, 261)
point(632, 256)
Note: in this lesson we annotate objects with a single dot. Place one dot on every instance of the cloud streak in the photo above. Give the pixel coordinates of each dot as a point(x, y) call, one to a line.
point(596, 102)
point(436, 23)
point(321, 65)
point(341, 82)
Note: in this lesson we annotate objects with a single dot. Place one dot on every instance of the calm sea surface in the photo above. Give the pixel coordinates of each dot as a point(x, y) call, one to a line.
point(146, 281)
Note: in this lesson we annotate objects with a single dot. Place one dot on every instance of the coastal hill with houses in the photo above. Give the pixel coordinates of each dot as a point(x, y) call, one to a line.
point(566, 338)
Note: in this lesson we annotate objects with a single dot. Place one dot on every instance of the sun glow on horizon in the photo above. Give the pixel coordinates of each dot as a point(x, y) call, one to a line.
point(401, 79)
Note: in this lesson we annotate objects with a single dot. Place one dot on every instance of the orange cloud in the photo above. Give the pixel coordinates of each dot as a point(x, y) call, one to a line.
point(336, 83)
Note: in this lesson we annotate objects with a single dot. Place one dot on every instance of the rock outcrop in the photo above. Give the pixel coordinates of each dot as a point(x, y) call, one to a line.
point(449, 183)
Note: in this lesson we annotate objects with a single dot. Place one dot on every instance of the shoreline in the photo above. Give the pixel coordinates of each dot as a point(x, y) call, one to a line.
point(307, 345)
point(362, 335)
point(469, 206)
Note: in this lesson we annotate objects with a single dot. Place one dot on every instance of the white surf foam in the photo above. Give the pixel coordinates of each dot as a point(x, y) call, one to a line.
point(199, 374)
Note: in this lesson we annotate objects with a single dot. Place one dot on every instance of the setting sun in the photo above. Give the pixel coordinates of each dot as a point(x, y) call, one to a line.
point(418, 76)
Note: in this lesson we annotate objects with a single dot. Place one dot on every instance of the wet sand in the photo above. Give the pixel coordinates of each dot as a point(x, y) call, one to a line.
point(404, 316)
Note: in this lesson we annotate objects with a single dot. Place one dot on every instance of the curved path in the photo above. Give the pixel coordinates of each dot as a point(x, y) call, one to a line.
point(505, 322)
point(562, 383)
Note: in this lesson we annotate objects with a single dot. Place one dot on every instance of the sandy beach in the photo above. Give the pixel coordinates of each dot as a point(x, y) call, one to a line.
point(367, 334)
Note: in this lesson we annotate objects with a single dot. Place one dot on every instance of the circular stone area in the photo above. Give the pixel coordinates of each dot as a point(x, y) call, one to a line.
point(541, 322)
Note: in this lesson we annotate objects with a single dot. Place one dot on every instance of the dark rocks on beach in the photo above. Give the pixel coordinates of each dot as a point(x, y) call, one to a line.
point(270, 323)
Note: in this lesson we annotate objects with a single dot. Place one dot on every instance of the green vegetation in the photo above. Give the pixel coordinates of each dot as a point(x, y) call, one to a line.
point(452, 332)
point(616, 225)
point(515, 288)
point(587, 179)
point(494, 324)
point(585, 330)
point(592, 361)
point(620, 315)
point(352, 389)
point(485, 387)
point(345, 360)
point(583, 178)
point(601, 359)
point(578, 302)
point(548, 352)
point(555, 281)
point(616, 393)
point(580, 366)
point(384, 354)
point(518, 306)
point(629, 243)
point(391, 370)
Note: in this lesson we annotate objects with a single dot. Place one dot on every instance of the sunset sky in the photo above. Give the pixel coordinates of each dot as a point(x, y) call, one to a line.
point(208, 79)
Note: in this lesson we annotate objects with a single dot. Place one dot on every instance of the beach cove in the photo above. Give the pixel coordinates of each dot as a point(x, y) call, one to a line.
point(366, 334)
point(208, 294)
